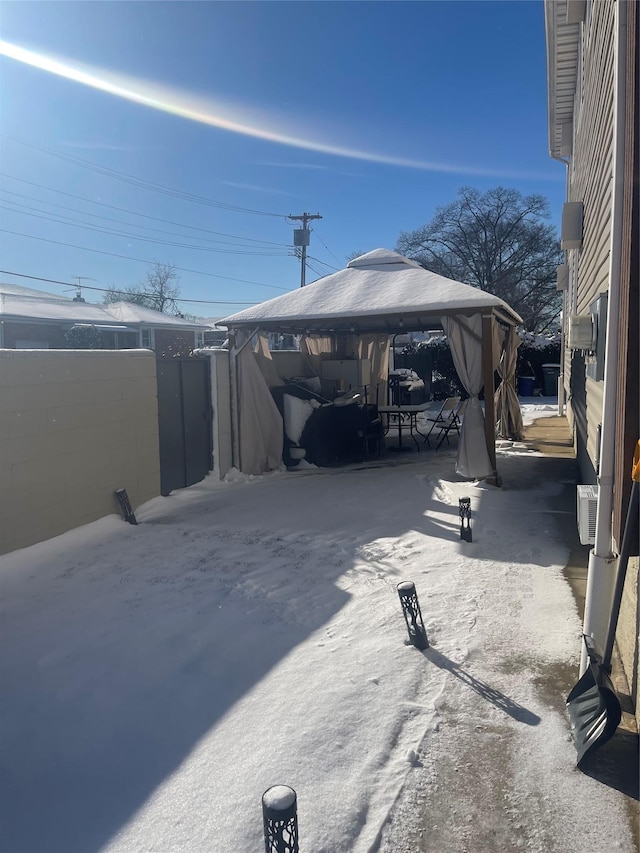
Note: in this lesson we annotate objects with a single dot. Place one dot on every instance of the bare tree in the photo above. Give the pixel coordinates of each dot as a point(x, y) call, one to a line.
point(497, 241)
point(159, 291)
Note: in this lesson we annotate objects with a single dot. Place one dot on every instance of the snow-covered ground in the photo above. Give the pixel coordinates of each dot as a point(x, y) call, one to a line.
point(157, 679)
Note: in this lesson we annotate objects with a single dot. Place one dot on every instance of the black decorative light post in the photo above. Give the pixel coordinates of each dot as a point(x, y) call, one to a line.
point(465, 519)
point(125, 506)
point(280, 819)
point(412, 614)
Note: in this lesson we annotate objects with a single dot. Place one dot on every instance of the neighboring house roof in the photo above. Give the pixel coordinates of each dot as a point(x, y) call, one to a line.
point(26, 305)
point(27, 308)
point(381, 291)
point(127, 312)
point(210, 322)
point(26, 292)
point(562, 70)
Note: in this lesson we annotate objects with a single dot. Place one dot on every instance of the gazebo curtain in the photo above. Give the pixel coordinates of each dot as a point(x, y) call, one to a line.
point(265, 362)
point(374, 347)
point(465, 342)
point(260, 425)
point(508, 414)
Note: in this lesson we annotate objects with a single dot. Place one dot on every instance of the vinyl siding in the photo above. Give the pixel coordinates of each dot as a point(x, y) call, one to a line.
point(591, 182)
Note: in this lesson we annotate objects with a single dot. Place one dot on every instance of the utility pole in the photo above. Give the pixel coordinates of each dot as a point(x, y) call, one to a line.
point(301, 237)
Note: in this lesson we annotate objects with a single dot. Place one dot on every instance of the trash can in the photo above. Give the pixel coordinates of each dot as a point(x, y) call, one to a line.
point(550, 374)
point(526, 385)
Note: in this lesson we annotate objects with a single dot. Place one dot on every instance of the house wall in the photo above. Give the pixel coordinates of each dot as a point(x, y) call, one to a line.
point(75, 426)
point(48, 333)
point(167, 341)
point(590, 181)
point(170, 341)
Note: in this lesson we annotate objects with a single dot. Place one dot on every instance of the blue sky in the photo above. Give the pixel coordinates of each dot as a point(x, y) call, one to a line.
point(200, 126)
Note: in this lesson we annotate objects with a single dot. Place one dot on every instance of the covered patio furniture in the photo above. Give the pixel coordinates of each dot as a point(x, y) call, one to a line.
point(354, 312)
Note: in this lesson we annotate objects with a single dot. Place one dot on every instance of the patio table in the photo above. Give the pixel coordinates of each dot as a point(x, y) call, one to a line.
point(406, 419)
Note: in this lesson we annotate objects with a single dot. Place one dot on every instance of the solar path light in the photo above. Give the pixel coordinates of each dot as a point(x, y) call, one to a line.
point(280, 819)
point(125, 506)
point(413, 615)
point(465, 519)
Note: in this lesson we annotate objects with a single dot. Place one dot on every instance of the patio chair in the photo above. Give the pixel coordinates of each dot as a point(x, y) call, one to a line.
point(447, 419)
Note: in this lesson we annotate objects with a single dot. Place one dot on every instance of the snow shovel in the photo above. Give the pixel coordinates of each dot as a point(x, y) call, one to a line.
point(593, 706)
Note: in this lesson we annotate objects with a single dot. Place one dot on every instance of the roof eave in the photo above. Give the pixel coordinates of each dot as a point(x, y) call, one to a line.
point(562, 71)
point(381, 324)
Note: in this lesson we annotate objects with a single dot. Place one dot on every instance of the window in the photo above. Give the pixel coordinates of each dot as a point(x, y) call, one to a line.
point(199, 339)
point(32, 344)
point(147, 339)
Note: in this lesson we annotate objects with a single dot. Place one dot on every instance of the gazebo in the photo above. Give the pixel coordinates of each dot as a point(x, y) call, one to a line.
point(354, 313)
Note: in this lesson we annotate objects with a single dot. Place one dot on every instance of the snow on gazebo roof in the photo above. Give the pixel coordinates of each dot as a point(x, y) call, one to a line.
point(380, 291)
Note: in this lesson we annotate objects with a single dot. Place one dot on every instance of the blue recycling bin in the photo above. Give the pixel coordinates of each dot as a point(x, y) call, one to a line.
point(526, 385)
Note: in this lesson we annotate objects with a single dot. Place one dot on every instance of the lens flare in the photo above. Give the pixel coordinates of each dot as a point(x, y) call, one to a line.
point(206, 111)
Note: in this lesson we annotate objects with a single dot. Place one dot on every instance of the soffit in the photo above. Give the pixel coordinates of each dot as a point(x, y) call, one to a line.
point(563, 43)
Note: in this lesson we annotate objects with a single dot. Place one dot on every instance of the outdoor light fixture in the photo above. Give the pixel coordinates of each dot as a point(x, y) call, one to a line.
point(465, 519)
point(280, 819)
point(125, 506)
point(412, 614)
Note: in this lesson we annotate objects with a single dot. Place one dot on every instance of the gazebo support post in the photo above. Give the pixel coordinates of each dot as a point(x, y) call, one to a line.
point(233, 389)
point(489, 406)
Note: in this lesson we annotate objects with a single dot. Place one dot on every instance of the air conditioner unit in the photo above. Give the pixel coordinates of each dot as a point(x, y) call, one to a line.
point(581, 332)
point(587, 508)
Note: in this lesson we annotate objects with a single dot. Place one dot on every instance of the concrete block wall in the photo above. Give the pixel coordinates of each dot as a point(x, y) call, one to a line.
point(75, 425)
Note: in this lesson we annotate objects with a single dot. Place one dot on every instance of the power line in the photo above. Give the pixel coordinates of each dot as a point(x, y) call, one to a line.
point(130, 224)
point(135, 213)
point(315, 231)
point(140, 260)
point(143, 184)
point(128, 236)
point(113, 289)
point(324, 263)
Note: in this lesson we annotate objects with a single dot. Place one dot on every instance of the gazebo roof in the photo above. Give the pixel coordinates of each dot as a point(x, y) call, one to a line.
point(381, 291)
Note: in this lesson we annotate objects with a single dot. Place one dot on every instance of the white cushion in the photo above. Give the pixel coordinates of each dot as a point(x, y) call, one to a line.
point(296, 414)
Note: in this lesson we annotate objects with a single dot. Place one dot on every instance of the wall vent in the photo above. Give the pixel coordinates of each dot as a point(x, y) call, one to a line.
point(563, 277)
point(566, 139)
point(571, 237)
point(576, 11)
point(587, 508)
